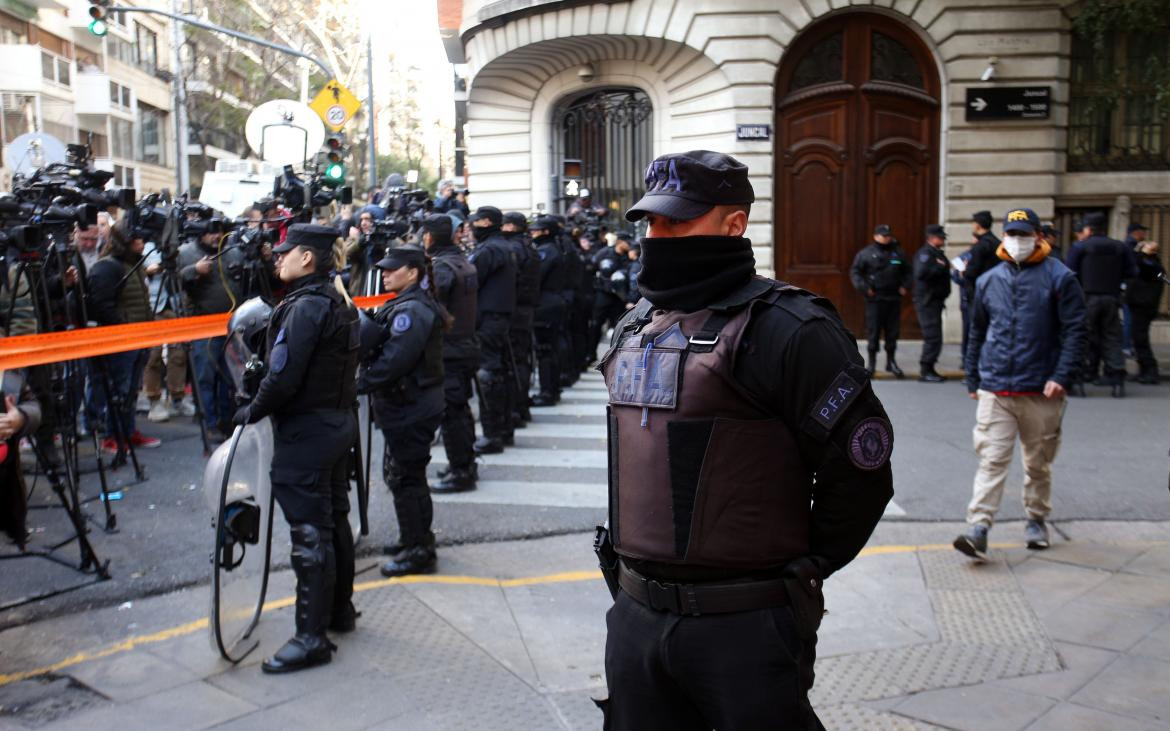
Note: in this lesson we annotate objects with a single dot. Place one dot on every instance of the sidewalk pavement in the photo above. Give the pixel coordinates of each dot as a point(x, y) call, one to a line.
point(950, 362)
point(512, 635)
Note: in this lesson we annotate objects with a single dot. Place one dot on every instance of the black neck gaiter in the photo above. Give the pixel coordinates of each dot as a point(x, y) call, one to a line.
point(483, 233)
point(689, 272)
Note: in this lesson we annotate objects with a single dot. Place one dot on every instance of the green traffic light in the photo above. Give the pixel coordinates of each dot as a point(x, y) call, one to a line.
point(98, 27)
point(335, 171)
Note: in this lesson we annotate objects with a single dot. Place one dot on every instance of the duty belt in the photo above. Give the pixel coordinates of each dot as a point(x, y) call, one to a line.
point(705, 598)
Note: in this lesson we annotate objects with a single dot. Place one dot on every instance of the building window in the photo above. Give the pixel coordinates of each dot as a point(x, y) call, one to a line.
point(122, 139)
point(19, 115)
point(54, 68)
point(120, 96)
point(151, 123)
point(120, 49)
point(99, 144)
point(821, 65)
point(12, 30)
point(123, 177)
point(147, 46)
point(1116, 119)
point(891, 61)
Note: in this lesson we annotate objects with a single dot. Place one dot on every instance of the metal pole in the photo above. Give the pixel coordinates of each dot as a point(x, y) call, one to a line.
point(182, 134)
point(373, 157)
point(227, 31)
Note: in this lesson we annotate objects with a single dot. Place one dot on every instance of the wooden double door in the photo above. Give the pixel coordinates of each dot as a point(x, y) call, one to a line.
point(857, 119)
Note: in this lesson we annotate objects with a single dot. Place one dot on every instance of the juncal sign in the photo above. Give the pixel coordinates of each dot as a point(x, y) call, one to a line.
point(1008, 102)
point(753, 131)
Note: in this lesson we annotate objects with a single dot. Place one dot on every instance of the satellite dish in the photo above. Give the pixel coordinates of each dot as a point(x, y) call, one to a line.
point(33, 150)
point(283, 132)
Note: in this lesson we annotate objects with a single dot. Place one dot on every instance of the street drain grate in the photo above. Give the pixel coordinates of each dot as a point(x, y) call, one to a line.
point(46, 698)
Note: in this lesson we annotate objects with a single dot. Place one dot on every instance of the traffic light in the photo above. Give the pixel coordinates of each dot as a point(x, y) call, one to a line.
point(98, 10)
point(334, 154)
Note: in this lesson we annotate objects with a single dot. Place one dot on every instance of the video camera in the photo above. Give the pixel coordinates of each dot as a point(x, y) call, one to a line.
point(48, 202)
point(302, 194)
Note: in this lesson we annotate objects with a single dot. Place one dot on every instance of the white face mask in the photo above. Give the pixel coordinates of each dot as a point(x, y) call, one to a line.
point(1019, 247)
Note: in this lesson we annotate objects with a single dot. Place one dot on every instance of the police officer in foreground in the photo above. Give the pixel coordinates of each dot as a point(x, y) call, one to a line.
point(405, 375)
point(883, 275)
point(309, 392)
point(515, 229)
point(932, 286)
point(455, 286)
point(550, 312)
point(720, 558)
point(1103, 264)
point(495, 266)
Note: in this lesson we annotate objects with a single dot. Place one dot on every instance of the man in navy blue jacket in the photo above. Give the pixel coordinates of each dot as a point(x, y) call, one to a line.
point(1026, 342)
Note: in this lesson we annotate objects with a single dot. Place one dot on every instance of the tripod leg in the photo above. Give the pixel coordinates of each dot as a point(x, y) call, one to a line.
point(197, 394)
point(115, 403)
point(72, 507)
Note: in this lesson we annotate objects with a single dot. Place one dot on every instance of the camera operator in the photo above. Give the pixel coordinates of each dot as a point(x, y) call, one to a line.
point(88, 241)
point(355, 252)
point(445, 198)
point(21, 418)
point(212, 284)
point(118, 294)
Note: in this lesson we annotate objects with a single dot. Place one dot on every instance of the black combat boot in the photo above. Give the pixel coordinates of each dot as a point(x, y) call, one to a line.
point(487, 445)
point(455, 481)
point(542, 400)
point(1118, 390)
point(419, 559)
point(344, 619)
point(892, 366)
point(927, 374)
point(872, 367)
point(313, 563)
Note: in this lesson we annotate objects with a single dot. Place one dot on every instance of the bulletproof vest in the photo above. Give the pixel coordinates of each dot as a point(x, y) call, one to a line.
point(497, 293)
point(554, 278)
point(1101, 265)
point(461, 302)
point(527, 276)
point(429, 371)
point(330, 378)
point(700, 473)
point(574, 267)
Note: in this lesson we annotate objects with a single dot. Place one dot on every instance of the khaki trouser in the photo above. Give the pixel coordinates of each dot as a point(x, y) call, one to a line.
point(998, 421)
point(175, 369)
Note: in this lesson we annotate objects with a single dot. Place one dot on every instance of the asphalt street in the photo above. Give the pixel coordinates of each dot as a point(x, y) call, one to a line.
point(1113, 465)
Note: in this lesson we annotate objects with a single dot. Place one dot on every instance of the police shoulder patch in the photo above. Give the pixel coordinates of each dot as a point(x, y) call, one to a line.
point(401, 322)
point(835, 400)
point(871, 443)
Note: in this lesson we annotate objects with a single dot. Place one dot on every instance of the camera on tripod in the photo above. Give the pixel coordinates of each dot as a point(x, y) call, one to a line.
point(302, 194)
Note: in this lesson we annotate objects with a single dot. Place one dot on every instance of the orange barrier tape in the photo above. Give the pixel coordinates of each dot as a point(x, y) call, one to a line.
point(23, 351)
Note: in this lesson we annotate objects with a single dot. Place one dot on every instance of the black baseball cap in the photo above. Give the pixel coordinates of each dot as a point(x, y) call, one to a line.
point(935, 229)
point(491, 213)
point(1049, 230)
point(438, 225)
point(546, 223)
point(1021, 220)
point(517, 219)
point(1135, 227)
point(686, 185)
point(318, 238)
point(402, 256)
point(983, 218)
point(1095, 220)
point(883, 229)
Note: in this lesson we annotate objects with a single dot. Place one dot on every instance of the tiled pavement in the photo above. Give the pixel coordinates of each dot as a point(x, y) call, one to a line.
point(511, 635)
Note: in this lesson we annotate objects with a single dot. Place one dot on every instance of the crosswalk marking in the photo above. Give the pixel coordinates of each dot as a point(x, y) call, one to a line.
point(536, 457)
point(549, 494)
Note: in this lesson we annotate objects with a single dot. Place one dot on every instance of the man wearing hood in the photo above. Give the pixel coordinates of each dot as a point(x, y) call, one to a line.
point(1026, 343)
point(749, 460)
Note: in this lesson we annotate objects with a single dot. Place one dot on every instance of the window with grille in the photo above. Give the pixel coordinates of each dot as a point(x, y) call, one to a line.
point(1116, 119)
point(151, 123)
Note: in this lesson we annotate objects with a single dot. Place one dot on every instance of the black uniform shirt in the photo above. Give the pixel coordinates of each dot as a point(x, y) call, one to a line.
point(882, 268)
point(495, 264)
point(932, 276)
point(982, 257)
point(405, 372)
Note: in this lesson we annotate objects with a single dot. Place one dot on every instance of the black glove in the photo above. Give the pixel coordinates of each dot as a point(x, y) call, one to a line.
point(243, 416)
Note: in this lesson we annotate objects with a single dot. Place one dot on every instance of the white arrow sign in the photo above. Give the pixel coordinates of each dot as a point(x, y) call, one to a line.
point(979, 104)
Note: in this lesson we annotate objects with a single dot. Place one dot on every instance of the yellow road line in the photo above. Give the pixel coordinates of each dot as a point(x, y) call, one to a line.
point(558, 578)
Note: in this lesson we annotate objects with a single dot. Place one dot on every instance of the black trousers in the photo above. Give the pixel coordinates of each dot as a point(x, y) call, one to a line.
point(1103, 322)
point(548, 358)
point(1142, 317)
point(521, 342)
point(930, 320)
point(965, 311)
point(458, 422)
point(607, 310)
point(883, 317)
point(579, 332)
point(495, 374)
point(404, 469)
point(310, 481)
point(719, 671)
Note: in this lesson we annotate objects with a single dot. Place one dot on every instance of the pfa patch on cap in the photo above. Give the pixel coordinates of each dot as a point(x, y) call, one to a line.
point(401, 323)
point(871, 443)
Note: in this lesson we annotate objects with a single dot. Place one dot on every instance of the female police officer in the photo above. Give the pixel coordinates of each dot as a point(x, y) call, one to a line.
point(308, 391)
point(405, 374)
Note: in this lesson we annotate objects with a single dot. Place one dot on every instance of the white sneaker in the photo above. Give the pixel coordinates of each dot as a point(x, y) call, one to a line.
point(158, 412)
point(143, 405)
point(187, 407)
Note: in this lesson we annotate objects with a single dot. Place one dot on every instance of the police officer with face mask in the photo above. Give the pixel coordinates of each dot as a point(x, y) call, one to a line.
point(455, 288)
point(550, 313)
point(718, 560)
point(405, 375)
point(308, 390)
point(495, 266)
point(515, 229)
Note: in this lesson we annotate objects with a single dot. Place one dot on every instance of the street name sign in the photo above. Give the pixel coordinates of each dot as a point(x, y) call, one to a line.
point(1008, 102)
